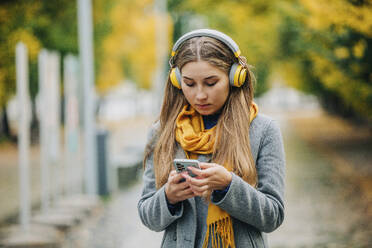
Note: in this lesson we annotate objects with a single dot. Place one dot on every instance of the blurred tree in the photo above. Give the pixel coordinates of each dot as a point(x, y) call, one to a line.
point(128, 51)
point(48, 24)
point(326, 48)
point(16, 24)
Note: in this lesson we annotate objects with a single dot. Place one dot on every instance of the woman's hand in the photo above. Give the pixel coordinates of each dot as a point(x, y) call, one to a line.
point(210, 177)
point(175, 190)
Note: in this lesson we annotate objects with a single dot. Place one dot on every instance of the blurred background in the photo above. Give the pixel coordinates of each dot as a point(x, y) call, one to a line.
point(312, 60)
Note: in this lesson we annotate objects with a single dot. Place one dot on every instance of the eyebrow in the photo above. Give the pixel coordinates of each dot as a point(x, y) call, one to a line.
point(210, 77)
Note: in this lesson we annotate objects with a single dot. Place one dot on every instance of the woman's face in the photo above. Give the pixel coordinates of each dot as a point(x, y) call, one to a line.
point(205, 86)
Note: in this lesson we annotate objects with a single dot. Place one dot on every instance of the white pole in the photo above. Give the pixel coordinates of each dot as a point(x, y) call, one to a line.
point(44, 154)
point(23, 134)
point(161, 41)
point(72, 144)
point(86, 59)
point(55, 113)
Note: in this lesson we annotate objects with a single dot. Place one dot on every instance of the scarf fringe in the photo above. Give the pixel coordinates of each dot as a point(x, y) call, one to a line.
point(221, 234)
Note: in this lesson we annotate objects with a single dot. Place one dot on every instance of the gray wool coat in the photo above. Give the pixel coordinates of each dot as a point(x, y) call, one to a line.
point(254, 211)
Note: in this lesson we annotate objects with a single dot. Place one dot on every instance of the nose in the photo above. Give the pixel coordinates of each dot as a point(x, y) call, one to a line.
point(201, 94)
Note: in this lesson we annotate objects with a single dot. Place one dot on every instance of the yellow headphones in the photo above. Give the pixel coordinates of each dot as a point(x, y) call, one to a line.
point(237, 74)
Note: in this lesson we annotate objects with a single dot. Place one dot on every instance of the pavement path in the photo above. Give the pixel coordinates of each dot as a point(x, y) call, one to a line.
point(9, 184)
point(116, 226)
point(317, 212)
point(9, 181)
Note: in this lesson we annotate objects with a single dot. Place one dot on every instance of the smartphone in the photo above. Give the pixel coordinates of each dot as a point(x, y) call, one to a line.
point(182, 164)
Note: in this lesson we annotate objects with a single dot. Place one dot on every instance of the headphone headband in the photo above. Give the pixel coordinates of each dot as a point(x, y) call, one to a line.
point(209, 33)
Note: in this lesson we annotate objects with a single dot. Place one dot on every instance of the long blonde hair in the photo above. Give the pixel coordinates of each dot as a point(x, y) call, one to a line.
point(232, 144)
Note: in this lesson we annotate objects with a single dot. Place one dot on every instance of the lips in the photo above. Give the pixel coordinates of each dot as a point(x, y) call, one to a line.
point(202, 106)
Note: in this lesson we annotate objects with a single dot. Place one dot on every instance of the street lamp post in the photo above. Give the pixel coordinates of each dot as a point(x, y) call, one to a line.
point(161, 41)
point(87, 71)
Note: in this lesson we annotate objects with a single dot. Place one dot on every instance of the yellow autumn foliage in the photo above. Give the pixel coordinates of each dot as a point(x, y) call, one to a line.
point(331, 38)
point(352, 91)
point(32, 43)
point(340, 13)
point(13, 29)
point(290, 71)
point(359, 48)
point(7, 49)
point(129, 50)
point(342, 52)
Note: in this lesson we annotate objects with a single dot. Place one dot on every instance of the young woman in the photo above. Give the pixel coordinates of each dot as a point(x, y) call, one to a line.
point(208, 114)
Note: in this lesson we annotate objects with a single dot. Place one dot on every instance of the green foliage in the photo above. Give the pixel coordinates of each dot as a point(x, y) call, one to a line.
point(15, 24)
point(56, 26)
point(48, 24)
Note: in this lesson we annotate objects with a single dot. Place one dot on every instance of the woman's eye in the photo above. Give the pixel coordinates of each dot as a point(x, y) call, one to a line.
point(189, 84)
point(211, 83)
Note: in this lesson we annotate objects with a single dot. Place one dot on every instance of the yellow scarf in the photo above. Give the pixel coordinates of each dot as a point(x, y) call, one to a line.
point(194, 140)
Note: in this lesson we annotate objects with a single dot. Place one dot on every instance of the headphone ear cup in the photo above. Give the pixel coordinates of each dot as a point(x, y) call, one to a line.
point(175, 77)
point(237, 75)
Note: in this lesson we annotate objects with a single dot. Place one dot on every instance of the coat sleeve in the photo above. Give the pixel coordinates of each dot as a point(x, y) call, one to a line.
point(263, 207)
point(152, 206)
